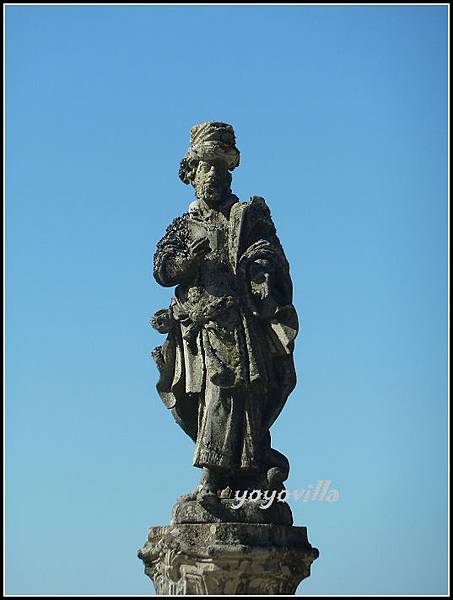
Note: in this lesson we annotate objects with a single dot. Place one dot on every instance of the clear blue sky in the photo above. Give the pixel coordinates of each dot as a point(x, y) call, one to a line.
point(341, 118)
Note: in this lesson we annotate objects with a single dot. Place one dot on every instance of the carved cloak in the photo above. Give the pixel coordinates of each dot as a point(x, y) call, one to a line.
point(262, 301)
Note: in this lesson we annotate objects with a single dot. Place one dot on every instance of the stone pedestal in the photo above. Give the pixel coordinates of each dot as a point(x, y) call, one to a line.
point(227, 558)
point(224, 511)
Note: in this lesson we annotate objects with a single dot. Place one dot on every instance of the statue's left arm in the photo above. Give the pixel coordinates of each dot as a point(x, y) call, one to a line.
point(265, 272)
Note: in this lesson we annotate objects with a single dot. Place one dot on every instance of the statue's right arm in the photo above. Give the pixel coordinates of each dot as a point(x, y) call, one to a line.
point(172, 267)
point(177, 258)
point(172, 264)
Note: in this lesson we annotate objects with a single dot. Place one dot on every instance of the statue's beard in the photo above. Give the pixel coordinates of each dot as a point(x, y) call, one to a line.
point(212, 193)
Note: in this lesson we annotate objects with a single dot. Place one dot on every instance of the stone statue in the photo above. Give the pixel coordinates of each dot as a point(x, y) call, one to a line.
point(226, 367)
point(226, 370)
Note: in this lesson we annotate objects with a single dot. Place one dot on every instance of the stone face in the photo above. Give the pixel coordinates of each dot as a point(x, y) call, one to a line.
point(227, 558)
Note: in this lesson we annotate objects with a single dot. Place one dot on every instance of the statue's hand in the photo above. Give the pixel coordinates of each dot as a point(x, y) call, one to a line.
point(162, 320)
point(158, 357)
point(199, 248)
point(260, 284)
point(182, 267)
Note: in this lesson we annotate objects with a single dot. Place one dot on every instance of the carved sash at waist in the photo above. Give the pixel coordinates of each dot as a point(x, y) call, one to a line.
point(196, 309)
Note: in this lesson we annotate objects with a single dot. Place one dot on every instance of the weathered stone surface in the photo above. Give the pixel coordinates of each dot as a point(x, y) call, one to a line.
point(226, 367)
point(225, 372)
point(227, 558)
point(191, 511)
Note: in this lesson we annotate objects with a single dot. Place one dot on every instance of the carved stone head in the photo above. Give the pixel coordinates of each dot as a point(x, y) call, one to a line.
point(211, 155)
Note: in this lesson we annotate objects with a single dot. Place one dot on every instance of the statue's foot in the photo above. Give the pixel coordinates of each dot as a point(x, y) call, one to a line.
point(208, 498)
point(201, 494)
point(226, 493)
point(207, 490)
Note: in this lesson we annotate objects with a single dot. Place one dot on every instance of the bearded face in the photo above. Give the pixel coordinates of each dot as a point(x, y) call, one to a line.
point(211, 182)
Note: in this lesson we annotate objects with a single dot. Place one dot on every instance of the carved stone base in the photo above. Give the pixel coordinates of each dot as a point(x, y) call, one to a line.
point(227, 558)
point(190, 511)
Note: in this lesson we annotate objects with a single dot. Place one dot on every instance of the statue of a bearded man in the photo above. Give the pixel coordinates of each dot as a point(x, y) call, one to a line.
point(226, 367)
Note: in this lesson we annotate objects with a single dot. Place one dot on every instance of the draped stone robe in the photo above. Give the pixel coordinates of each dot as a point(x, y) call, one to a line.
point(226, 368)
